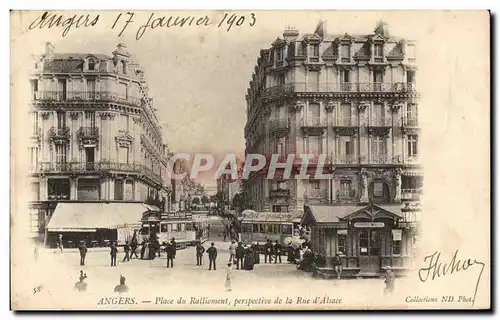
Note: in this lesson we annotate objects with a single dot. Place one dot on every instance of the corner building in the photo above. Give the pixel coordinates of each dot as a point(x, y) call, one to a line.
point(354, 99)
point(98, 160)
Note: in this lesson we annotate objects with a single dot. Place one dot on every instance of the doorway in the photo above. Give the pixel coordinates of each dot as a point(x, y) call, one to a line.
point(89, 159)
point(369, 250)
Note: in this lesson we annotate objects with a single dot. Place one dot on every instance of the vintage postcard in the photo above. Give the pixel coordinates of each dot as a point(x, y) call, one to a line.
point(250, 160)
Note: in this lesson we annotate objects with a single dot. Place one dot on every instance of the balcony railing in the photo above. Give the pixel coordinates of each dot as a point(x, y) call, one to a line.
point(344, 122)
point(86, 167)
point(91, 132)
point(62, 132)
point(379, 122)
point(76, 96)
point(410, 194)
point(303, 87)
point(279, 124)
point(380, 159)
point(345, 159)
point(312, 122)
point(409, 122)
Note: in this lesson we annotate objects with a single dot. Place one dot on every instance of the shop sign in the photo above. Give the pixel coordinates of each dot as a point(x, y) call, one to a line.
point(369, 225)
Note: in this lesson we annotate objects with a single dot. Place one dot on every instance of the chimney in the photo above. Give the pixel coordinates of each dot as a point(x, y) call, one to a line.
point(49, 50)
point(290, 33)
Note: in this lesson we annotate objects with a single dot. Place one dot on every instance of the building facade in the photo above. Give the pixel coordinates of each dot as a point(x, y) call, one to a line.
point(352, 99)
point(95, 136)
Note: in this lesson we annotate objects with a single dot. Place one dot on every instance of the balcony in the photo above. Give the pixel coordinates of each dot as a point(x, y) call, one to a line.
point(379, 126)
point(410, 194)
point(88, 132)
point(84, 96)
point(409, 122)
point(344, 122)
point(380, 159)
point(279, 125)
point(59, 135)
point(345, 159)
point(413, 159)
point(98, 167)
point(313, 122)
point(354, 87)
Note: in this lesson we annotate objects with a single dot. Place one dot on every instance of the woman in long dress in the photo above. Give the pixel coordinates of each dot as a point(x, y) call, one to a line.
point(249, 259)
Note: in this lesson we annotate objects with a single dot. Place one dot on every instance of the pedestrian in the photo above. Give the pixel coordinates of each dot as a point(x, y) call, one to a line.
point(122, 287)
point(174, 244)
point(83, 252)
point(126, 248)
point(212, 256)
point(228, 277)
point(81, 285)
point(208, 231)
point(199, 253)
point(113, 253)
point(337, 265)
point(60, 242)
point(291, 253)
point(170, 255)
point(232, 251)
point(390, 278)
point(133, 247)
point(268, 247)
point(256, 249)
point(277, 252)
point(240, 254)
point(224, 234)
point(143, 249)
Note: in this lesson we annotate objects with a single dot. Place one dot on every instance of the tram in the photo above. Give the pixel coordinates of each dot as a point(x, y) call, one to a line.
point(262, 226)
point(185, 227)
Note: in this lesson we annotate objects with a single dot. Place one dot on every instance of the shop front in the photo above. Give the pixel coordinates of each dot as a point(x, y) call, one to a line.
point(367, 238)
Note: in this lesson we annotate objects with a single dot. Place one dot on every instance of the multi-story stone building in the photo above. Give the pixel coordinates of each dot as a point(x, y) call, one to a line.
point(354, 99)
point(95, 137)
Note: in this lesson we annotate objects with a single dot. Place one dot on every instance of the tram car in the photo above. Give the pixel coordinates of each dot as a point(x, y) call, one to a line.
point(185, 227)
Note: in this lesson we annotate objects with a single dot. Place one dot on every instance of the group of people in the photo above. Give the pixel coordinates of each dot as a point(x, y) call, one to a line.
point(81, 284)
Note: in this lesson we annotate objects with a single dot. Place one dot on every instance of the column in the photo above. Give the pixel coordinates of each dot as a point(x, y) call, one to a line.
point(104, 185)
point(43, 188)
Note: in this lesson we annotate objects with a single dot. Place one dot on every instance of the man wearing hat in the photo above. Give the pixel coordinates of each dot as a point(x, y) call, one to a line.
point(83, 252)
point(81, 285)
point(122, 287)
point(212, 255)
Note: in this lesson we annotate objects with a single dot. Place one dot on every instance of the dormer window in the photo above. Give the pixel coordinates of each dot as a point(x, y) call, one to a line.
point(410, 52)
point(279, 54)
point(345, 53)
point(124, 67)
point(91, 64)
point(315, 50)
point(378, 52)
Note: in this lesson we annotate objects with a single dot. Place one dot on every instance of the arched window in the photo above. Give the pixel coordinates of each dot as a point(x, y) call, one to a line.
point(124, 67)
point(91, 64)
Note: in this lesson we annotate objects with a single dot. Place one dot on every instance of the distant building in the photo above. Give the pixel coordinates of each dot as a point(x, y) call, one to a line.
point(95, 139)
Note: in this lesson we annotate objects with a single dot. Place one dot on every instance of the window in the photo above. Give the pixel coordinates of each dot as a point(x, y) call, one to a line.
point(342, 241)
point(91, 64)
point(374, 243)
point(61, 156)
point(286, 229)
point(379, 145)
point(58, 189)
point(314, 184)
point(255, 228)
point(163, 228)
point(123, 90)
point(34, 117)
point(90, 118)
point(279, 54)
point(364, 242)
point(396, 241)
point(411, 111)
point(315, 50)
point(124, 122)
point(118, 189)
point(281, 79)
point(61, 84)
point(34, 89)
point(345, 188)
point(410, 52)
point(348, 149)
point(124, 67)
point(261, 228)
point(412, 145)
point(129, 191)
point(91, 86)
point(410, 77)
point(346, 76)
point(379, 50)
point(378, 189)
point(345, 52)
point(123, 155)
point(61, 119)
point(246, 228)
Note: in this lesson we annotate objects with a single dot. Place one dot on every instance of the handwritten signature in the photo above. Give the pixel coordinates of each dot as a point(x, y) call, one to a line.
point(436, 268)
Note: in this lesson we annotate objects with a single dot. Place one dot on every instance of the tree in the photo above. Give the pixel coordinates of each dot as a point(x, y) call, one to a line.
point(205, 199)
point(196, 201)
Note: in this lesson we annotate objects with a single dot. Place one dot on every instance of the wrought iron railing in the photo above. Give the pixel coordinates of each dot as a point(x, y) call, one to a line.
point(339, 87)
point(344, 122)
point(59, 132)
point(409, 122)
point(313, 122)
point(85, 96)
point(86, 167)
point(88, 132)
point(379, 122)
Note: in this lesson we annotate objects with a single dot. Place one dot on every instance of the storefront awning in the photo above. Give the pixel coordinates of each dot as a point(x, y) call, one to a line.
point(87, 217)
